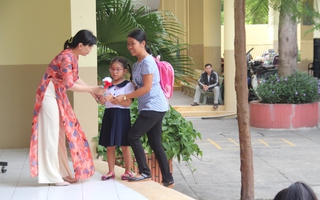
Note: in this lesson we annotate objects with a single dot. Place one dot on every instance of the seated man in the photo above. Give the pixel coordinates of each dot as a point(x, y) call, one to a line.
point(208, 81)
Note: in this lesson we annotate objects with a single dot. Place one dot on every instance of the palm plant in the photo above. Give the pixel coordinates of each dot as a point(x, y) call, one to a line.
point(255, 17)
point(116, 18)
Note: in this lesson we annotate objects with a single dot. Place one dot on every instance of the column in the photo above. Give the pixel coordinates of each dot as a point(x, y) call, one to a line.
point(273, 27)
point(83, 16)
point(195, 32)
point(212, 34)
point(306, 41)
point(229, 61)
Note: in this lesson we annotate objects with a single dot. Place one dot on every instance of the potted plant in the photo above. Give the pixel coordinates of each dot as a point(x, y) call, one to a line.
point(286, 102)
point(178, 139)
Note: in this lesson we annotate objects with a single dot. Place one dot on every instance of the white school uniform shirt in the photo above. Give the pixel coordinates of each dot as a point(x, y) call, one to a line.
point(123, 88)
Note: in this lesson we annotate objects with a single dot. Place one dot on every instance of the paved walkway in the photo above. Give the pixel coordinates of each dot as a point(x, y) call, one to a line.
point(280, 157)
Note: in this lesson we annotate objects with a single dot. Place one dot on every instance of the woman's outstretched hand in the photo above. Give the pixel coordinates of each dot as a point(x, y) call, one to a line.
point(98, 90)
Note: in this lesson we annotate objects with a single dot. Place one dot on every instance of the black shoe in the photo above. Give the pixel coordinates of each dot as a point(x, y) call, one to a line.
point(142, 177)
point(194, 104)
point(169, 184)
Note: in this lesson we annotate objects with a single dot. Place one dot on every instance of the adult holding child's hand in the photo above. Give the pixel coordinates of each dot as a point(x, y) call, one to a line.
point(54, 118)
point(152, 106)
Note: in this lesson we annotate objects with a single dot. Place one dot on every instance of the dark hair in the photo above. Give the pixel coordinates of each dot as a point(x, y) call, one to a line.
point(300, 191)
point(123, 62)
point(281, 194)
point(208, 64)
point(140, 36)
point(296, 191)
point(85, 37)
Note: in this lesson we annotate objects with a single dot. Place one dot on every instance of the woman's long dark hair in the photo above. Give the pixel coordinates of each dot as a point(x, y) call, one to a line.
point(85, 37)
point(300, 191)
point(296, 191)
point(140, 36)
point(124, 64)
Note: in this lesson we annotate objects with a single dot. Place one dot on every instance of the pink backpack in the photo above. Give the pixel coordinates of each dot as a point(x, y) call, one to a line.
point(166, 76)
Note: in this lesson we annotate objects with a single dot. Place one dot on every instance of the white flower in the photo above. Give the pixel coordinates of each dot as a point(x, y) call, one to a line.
point(107, 79)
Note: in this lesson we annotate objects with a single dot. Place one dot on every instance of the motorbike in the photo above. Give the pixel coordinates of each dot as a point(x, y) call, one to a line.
point(260, 68)
point(250, 64)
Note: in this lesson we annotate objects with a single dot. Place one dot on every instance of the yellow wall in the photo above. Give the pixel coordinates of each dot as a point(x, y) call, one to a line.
point(195, 32)
point(29, 39)
point(31, 34)
point(32, 31)
point(212, 34)
point(18, 85)
point(257, 36)
point(305, 44)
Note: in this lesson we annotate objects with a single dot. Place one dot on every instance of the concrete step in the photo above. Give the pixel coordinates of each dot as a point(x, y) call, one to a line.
point(203, 111)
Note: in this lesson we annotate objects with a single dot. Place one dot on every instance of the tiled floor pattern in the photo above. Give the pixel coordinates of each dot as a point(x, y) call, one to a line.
point(16, 184)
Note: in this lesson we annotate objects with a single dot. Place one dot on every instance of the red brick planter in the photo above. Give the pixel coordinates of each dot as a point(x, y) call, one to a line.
point(284, 116)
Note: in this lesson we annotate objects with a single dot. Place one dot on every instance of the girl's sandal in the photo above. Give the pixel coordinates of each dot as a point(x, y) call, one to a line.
point(109, 175)
point(126, 176)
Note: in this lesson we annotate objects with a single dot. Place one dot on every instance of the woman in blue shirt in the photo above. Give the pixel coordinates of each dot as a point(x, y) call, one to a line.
point(152, 106)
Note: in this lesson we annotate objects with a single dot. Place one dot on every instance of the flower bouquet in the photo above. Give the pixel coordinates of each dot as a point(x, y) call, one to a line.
point(107, 82)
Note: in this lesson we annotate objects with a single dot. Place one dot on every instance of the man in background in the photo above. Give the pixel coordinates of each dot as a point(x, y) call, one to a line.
point(208, 82)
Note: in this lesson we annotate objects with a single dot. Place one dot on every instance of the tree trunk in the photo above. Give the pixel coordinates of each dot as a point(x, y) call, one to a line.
point(288, 47)
point(246, 168)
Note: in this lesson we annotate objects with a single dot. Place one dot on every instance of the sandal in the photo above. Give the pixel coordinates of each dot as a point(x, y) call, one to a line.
point(141, 177)
point(109, 175)
point(64, 183)
point(194, 104)
point(69, 179)
point(126, 176)
point(215, 106)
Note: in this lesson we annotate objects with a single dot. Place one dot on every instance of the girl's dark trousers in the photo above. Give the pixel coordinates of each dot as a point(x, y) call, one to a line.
point(149, 122)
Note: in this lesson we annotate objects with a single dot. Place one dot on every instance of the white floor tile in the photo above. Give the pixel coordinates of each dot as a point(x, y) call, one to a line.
point(7, 190)
point(127, 193)
point(69, 196)
point(17, 184)
point(9, 178)
point(34, 196)
point(6, 197)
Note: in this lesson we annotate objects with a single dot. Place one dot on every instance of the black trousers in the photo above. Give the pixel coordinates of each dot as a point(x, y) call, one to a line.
point(149, 122)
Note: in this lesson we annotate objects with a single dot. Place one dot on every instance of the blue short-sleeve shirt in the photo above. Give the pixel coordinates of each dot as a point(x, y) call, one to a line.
point(155, 99)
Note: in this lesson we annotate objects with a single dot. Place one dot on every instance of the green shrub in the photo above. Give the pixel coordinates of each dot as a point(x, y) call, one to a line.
point(178, 137)
point(297, 88)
